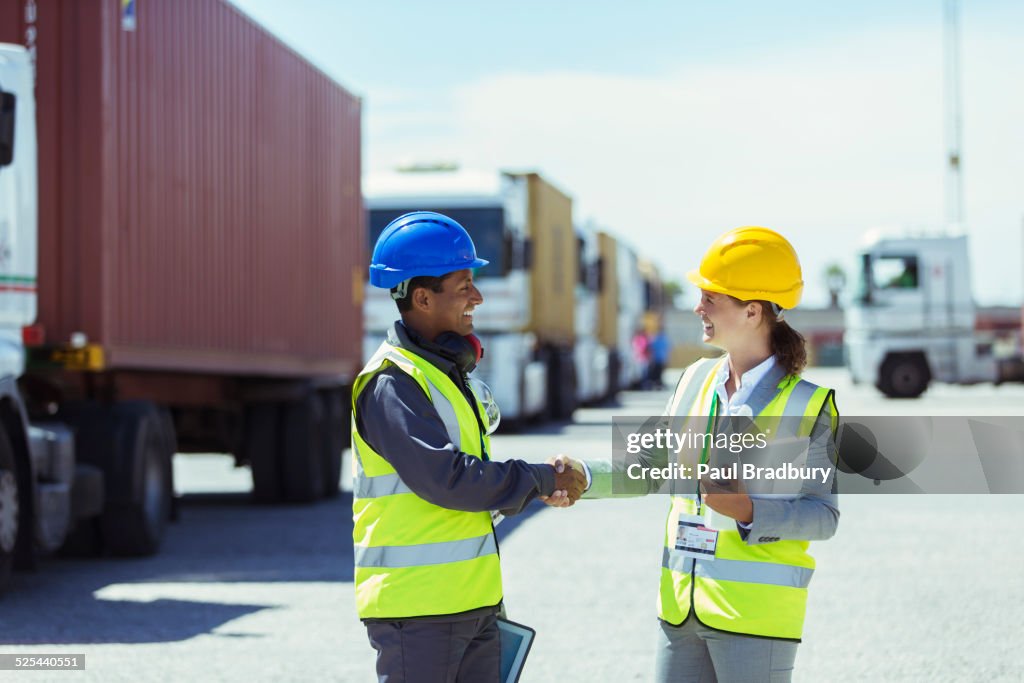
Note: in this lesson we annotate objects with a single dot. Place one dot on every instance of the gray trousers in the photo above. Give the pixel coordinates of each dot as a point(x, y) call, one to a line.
point(412, 651)
point(694, 653)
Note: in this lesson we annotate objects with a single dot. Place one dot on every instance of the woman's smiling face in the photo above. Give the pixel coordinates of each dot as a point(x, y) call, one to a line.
point(725, 320)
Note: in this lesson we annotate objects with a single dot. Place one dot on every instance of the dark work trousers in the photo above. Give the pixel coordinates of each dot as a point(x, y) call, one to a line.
point(412, 651)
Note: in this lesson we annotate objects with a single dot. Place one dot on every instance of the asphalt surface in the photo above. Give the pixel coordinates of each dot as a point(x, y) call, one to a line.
point(912, 588)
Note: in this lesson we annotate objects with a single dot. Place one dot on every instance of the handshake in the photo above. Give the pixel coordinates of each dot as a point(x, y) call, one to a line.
point(570, 481)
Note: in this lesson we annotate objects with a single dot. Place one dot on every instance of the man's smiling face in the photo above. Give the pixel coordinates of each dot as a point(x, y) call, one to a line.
point(453, 306)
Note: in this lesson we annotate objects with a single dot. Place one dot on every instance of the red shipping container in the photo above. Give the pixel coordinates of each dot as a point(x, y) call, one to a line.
point(200, 205)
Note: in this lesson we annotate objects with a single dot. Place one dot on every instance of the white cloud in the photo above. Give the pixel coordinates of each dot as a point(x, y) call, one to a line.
point(820, 142)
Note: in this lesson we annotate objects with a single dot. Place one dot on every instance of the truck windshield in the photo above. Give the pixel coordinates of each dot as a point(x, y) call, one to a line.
point(886, 272)
point(7, 101)
point(894, 272)
point(485, 225)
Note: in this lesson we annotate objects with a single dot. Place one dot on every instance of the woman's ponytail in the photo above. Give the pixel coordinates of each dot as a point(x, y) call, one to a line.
point(787, 344)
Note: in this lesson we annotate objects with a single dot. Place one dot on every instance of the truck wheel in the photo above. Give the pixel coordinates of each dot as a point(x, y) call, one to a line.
point(904, 376)
point(91, 424)
point(614, 371)
point(261, 448)
point(561, 384)
point(568, 387)
point(139, 482)
point(10, 510)
point(336, 435)
point(129, 442)
point(84, 540)
point(302, 456)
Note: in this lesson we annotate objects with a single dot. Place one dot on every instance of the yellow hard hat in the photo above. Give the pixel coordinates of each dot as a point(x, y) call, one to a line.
point(751, 263)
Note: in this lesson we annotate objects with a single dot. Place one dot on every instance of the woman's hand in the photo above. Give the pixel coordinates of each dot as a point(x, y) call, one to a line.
point(728, 499)
point(735, 505)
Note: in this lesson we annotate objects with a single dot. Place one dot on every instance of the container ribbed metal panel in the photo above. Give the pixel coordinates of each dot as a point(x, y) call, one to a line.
point(199, 190)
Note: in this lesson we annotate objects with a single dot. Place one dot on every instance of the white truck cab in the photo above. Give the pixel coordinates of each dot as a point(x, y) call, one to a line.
point(495, 206)
point(18, 206)
point(912, 320)
point(37, 462)
point(590, 355)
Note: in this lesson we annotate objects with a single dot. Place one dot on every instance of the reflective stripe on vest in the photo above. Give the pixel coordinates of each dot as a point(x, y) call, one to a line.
point(756, 590)
point(379, 486)
point(739, 570)
point(426, 553)
point(444, 407)
point(691, 384)
point(799, 399)
point(414, 558)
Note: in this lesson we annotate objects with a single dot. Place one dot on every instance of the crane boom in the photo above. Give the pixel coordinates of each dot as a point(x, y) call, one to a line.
point(954, 122)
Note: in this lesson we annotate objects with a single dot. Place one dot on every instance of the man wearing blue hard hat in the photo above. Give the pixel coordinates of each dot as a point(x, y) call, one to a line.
point(427, 574)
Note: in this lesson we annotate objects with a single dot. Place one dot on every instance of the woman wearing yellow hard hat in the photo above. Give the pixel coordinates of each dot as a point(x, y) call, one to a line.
point(735, 566)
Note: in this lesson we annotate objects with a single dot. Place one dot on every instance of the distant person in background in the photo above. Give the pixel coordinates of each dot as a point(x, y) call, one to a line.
point(641, 355)
point(660, 347)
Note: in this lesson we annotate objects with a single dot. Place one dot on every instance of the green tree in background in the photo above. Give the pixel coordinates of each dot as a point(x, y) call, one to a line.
point(835, 280)
point(673, 293)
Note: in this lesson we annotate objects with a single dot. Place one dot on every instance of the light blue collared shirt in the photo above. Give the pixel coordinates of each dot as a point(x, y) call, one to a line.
point(737, 403)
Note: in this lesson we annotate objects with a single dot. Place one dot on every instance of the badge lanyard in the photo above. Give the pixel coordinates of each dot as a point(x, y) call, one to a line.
point(694, 539)
point(709, 430)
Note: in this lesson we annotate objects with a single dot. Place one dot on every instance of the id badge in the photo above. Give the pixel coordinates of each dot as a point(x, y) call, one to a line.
point(694, 539)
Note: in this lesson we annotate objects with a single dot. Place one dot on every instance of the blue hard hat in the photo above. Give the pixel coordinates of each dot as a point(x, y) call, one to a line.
point(421, 243)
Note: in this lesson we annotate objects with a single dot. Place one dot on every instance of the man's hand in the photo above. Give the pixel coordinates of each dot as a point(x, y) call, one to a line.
point(570, 481)
point(728, 498)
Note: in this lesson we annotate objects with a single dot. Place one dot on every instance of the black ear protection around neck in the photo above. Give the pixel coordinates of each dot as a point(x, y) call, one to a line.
point(464, 351)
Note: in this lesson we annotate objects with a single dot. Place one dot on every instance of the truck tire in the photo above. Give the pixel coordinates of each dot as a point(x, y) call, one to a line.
point(614, 371)
point(84, 540)
point(561, 384)
point(171, 445)
point(129, 442)
point(261, 447)
point(336, 437)
point(568, 387)
point(138, 480)
point(303, 454)
point(904, 376)
point(12, 526)
point(90, 422)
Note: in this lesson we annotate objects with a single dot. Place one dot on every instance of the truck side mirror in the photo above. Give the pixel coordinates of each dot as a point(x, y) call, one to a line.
point(508, 253)
point(527, 254)
point(6, 128)
point(517, 253)
point(866, 281)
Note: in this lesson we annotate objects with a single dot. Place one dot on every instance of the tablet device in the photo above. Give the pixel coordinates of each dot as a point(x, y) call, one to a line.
point(516, 641)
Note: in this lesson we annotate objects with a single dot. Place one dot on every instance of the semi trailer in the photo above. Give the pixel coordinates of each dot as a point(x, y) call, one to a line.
point(181, 261)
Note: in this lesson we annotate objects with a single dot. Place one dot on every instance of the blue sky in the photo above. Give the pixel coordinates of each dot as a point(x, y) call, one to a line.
point(671, 122)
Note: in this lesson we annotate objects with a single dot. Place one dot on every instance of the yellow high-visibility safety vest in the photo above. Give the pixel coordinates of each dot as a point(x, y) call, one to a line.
point(414, 558)
point(756, 590)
